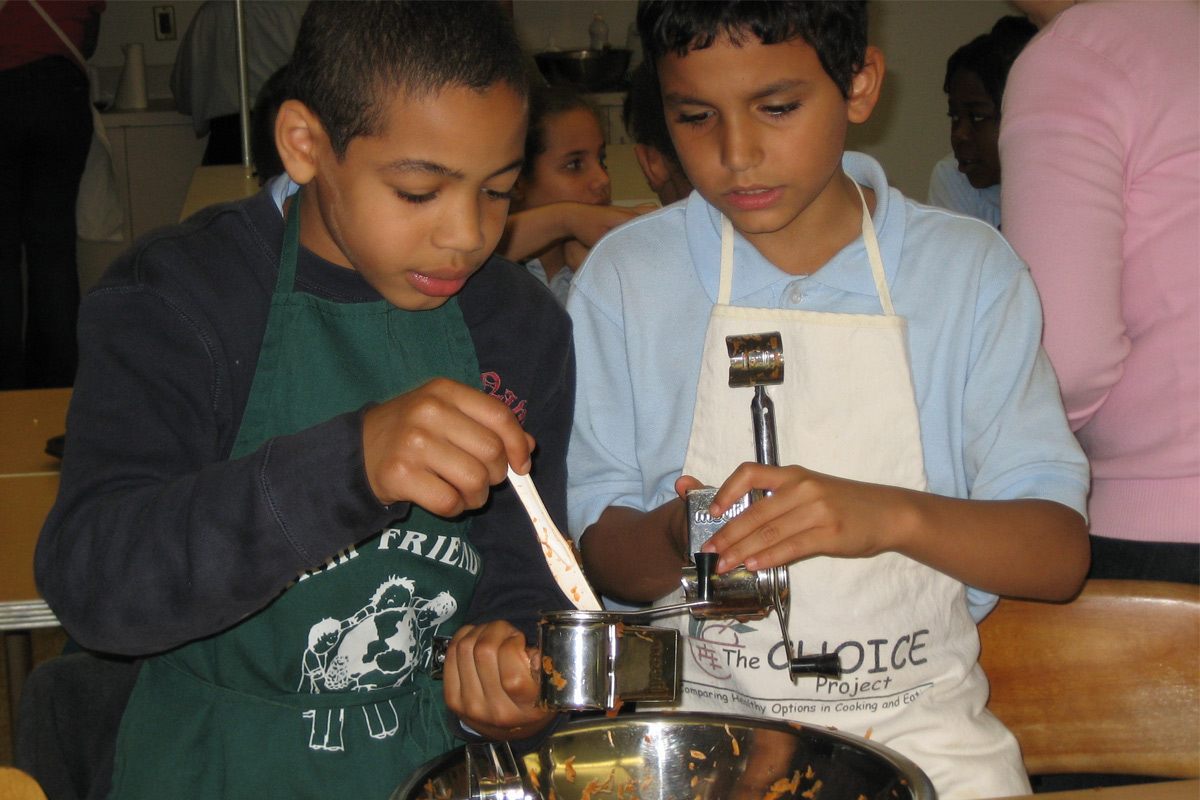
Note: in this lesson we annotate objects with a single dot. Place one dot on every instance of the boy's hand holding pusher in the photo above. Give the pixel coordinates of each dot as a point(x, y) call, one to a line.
point(807, 514)
point(813, 514)
point(442, 446)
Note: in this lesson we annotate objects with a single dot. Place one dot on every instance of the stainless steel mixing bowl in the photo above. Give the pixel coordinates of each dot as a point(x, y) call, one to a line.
point(585, 70)
point(653, 756)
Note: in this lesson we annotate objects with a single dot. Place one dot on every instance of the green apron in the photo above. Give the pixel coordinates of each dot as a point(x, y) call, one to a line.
point(325, 692)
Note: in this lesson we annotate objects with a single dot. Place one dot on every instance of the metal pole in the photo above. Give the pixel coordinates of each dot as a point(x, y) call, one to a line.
point(243, 86)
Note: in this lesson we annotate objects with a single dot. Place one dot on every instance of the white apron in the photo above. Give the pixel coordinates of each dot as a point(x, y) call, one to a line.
point(907, 643)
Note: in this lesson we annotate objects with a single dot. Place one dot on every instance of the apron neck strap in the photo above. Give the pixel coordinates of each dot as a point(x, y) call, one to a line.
point(725, 287)
point(876, 258)
point(291, 247)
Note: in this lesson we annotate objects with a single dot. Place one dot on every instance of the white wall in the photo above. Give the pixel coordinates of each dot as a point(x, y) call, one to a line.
point(127, 21)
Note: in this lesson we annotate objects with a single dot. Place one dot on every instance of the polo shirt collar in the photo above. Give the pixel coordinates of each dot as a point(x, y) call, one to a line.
point(847, 271)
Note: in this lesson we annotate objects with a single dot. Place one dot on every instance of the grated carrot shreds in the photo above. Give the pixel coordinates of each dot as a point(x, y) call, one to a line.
point(812, 793)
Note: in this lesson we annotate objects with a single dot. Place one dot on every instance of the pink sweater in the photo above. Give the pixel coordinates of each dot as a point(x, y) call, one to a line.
point(1101, 196)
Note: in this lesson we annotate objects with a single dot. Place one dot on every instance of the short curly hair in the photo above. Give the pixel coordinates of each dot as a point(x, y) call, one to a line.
point(836, 29)
point(643, 114)
point(991, 55)
point(349, 54)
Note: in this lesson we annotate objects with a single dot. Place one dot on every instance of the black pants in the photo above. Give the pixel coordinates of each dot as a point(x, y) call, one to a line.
point(45, 132)
point(1123, 559)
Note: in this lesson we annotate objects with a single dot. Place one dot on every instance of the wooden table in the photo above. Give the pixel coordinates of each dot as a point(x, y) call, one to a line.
point(28, 485)
point(1170, 790)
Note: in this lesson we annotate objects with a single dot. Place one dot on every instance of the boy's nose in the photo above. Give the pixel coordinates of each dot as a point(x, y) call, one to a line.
point(461, 228)
point(739, 148)
point(959, 131)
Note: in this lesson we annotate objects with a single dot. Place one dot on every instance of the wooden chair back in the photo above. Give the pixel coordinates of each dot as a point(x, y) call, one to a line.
point(1107, 683)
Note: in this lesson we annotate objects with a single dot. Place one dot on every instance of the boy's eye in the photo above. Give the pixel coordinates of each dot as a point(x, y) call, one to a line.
point(415, 199)
point(574, 165)
point(496, 194)
point(780, 110)
point(692, 119)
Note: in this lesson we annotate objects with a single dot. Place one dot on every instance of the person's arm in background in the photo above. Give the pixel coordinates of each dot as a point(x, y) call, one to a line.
point(1062, 199)
point(531, 231)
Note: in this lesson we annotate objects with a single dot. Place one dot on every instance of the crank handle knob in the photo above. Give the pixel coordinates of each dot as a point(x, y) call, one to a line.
point(827, 664)
point(706, 568)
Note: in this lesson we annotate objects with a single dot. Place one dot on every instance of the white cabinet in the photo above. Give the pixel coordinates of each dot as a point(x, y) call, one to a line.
point(610, 106)
point(155, 153)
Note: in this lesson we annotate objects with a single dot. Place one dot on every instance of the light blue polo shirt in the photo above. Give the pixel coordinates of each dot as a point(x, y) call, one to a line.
point(992, 422)
point(949, 188)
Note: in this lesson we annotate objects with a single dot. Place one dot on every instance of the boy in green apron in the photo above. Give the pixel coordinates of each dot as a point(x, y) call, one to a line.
point(923, 440)
point(291, 425)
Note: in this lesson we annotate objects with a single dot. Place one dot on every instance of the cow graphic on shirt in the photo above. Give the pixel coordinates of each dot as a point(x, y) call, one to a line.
point(377, 647)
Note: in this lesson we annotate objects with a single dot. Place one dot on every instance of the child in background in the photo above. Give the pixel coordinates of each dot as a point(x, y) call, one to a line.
point(968, 180)
point(643, 118)
point(279, 486)
point(924, 444)
point(564, 163)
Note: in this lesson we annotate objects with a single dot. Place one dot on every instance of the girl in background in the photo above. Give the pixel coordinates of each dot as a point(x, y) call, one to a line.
point(565, 176)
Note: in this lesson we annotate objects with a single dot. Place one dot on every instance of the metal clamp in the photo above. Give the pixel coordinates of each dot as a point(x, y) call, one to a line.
point(740, 592)
point(598, 660)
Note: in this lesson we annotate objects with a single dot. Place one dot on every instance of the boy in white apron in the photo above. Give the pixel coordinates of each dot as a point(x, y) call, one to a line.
point(925, 445)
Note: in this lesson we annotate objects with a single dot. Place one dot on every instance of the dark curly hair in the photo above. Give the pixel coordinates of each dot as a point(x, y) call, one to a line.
point(352, 54)
point(991, 55)
point(836, 29)
point(643, 113)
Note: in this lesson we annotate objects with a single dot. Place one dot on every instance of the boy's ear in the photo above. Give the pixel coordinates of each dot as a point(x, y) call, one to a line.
point(298, 133)
point(865, 86)
point(653, 164)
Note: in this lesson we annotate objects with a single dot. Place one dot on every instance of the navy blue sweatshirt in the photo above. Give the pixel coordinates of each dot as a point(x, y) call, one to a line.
point(156, 539)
